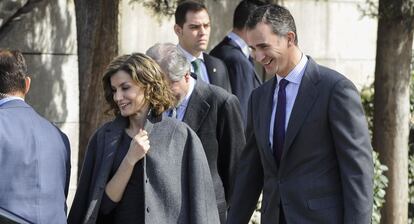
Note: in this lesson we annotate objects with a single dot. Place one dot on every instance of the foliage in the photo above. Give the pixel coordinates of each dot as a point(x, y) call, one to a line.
point(255, 219)
point(367, 98)
point(380, 183)
point(160, 7)
point(403, 8)
point(411, 189)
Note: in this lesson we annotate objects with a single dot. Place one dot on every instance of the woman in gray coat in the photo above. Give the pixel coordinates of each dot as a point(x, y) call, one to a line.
point(142, 167)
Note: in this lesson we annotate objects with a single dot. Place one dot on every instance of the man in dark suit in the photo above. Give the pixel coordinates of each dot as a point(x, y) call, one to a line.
point(308, 146)
point(212, 113)
point(192, 26)
point(35, 155)
point(233, 50)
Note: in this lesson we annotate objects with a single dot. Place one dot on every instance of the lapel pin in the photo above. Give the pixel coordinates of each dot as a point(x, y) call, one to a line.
point(214, 70)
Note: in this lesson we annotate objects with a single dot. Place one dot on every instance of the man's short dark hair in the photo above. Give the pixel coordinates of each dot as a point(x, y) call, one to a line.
point(243, 10)
point(278, 17)
point(13, 71)
point(185, 7)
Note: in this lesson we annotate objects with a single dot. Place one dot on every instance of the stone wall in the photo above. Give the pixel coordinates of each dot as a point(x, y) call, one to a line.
point(45, 31)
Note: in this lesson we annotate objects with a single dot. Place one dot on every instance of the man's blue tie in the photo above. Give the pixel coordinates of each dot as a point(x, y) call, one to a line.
point(279, 125)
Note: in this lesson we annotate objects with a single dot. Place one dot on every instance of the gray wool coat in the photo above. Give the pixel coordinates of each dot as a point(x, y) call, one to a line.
point(178, 185)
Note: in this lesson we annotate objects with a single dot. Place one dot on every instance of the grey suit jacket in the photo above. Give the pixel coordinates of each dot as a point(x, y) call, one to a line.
point(215, 116)
point(178, 186)
point(35, 165)
point(217, 72)
point(326, 170)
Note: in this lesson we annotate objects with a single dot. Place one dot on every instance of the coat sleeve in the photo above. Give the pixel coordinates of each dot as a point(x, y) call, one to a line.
point(249, 178)
point(231, 142)
point(241, 85)
point(67, 163)
point(354, 151)
point(203, 207)
point(80, 202)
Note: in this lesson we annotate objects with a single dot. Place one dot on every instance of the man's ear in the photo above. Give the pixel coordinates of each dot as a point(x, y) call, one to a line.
point(178, 30)
point(27, 82)
point(291, 37)
point(187, 77)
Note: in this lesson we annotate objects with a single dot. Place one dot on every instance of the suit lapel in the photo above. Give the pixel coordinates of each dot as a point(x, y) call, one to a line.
point(266, 114)
point(211, 69)
point(197, 107)
point(305, 99)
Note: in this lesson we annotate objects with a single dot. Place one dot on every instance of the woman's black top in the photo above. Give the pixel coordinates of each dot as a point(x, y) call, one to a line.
point(131, 207)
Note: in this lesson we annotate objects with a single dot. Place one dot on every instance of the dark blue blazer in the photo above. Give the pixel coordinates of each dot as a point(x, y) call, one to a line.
point(34, 165)
point(243, 77)
point(326, 170)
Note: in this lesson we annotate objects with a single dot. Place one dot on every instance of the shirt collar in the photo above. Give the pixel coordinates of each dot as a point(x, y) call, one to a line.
point(10, 98)
point(240, 42)
point(295, 76)
point(189, 56)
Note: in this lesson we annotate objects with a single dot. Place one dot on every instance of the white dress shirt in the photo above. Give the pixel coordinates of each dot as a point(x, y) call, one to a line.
point(191, 58)
point(294, 77)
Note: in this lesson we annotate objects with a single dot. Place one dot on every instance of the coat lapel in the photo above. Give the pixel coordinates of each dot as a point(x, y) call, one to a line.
point(211, 69)
point(267, 116)
point(197, 107)
point(305, 99)
point(112, 137)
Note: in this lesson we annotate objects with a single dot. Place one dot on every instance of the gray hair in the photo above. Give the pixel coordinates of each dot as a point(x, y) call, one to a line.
point(171, 60)
point(278, 17)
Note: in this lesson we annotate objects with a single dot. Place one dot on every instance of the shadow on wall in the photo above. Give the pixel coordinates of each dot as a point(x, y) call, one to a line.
point(43, 31)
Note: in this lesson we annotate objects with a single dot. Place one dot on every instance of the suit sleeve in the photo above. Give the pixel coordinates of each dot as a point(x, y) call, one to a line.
point(249, 179)
point(231, 142)
point(354, 151)
point(228, 88)
point(226, 79)
point(200, 184)
point(67, 162)
point(239, 86)
point(80, 202)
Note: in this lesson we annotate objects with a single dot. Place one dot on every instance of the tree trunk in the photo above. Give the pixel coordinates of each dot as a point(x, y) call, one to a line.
point(97, 28)
point(391, 103)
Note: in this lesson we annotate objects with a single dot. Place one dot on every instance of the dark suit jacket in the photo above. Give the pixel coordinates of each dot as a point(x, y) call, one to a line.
point(178, 186)
point(326, 171)
point(217, 72)
point(242, 74)
point(35, 165)
point(214, 115)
